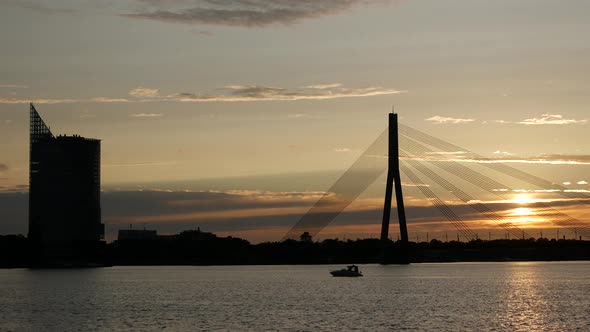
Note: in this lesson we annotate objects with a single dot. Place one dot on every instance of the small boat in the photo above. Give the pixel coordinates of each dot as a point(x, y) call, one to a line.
point(350, 271)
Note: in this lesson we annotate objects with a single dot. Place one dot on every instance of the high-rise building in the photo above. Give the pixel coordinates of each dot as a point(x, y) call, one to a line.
point(64, 195)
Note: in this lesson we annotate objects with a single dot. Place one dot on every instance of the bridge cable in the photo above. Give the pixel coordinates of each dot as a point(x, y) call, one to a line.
point(464, 173)
point(460, 194)
point(372, 163)
point(360, 175)
point(463, 228)
point(491, 163)
point(492, 186)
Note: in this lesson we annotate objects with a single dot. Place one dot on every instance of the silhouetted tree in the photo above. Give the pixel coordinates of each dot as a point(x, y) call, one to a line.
point(305, 237)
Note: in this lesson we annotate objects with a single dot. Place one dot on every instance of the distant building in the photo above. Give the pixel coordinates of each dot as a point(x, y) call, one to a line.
point(196, 235)
point(137, 234)
point(64, 194)
point(145, 234)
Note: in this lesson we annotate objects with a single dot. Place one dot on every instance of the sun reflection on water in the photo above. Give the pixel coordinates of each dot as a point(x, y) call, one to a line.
point(525, 306)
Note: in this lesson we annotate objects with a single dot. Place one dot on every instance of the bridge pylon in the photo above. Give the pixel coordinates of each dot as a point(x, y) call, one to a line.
point(394, 181)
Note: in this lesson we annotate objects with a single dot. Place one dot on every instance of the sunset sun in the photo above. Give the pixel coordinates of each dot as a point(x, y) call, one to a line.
point(523, 199)
point(522, 211)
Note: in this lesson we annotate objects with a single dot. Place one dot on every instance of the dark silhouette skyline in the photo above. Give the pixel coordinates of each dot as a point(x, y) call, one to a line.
point(65, 214)
point(196, 247)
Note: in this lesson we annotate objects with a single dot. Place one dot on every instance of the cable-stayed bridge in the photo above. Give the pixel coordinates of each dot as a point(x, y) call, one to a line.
point(426, 160)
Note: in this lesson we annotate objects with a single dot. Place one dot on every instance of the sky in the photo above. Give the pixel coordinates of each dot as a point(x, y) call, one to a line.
point(236, 116)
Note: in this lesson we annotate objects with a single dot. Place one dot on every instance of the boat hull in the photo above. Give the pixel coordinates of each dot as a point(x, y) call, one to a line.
point(345, 273)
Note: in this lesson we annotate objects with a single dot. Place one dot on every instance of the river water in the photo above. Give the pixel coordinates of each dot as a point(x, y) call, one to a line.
point(430, 297)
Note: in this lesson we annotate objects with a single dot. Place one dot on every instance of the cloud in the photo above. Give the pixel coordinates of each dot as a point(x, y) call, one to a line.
point(462, 156)
point(582, 182)
point(544, 159)
point(238, 210)
point(144, 92)
point(146, 115)
point(229, 93)
point(324, 86)
point(234, 211)
point(244, 13)
point(444, 120)
point(342, 150)
point(503, 153)
point(550, 119)
point(13, 86)
point(13, 101)
point(445, 153)
point(38, 6)
point(555, 159)
point(237, 93)
point(109, 100)
point(409, 184)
